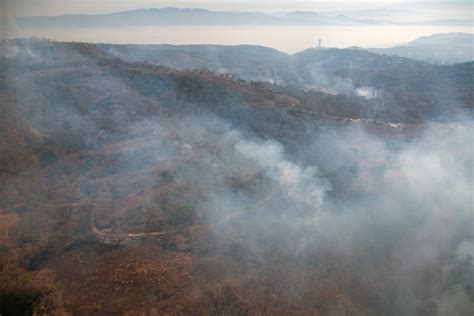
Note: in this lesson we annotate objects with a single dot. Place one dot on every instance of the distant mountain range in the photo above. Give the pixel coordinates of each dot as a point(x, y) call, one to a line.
point(177, 16)
point(446, 48)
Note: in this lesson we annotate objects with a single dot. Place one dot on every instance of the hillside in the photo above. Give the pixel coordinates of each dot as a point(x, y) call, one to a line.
point(449, 48)
point(128, 187)
point(244, 61)
point(402, 87)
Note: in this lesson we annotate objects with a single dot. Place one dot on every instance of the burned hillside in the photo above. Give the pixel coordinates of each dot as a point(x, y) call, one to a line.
point(128, 187)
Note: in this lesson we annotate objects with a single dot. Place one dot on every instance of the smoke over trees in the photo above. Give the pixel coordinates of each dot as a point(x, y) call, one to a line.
point(128, 187)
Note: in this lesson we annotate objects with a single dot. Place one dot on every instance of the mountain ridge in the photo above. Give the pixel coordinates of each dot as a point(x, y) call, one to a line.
point(190, 16)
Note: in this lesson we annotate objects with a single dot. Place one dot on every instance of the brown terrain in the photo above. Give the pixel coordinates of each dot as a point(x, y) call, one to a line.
point(101, 211)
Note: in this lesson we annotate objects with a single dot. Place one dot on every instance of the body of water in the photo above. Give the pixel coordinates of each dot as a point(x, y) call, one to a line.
point(289, 39)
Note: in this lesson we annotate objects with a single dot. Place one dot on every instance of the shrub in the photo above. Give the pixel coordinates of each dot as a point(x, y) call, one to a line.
point(183, 215)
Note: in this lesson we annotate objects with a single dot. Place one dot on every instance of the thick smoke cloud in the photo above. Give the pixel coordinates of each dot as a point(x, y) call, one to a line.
point(405, 206)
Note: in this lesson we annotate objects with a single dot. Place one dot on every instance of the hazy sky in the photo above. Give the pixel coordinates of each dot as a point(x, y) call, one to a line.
point(286, 38)
point(456, 8)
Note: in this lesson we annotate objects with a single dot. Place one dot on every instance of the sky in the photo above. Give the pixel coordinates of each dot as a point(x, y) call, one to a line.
point(289, 39)
point(456, 8)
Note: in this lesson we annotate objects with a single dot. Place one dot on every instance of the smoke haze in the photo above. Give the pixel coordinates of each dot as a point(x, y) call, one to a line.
point(235, 180)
